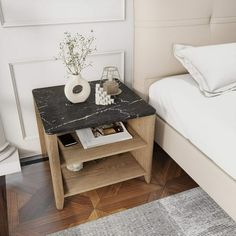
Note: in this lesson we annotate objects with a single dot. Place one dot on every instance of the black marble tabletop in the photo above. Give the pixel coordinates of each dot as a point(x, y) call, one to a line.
point(59, 115)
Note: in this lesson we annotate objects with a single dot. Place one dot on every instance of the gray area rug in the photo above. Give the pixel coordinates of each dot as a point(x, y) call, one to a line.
point(191, 213)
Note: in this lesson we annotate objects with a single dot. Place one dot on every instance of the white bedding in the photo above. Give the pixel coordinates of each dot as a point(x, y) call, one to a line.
point(209, 123)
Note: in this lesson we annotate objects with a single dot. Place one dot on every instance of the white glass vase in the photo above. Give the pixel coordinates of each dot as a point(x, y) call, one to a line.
point(77, 89)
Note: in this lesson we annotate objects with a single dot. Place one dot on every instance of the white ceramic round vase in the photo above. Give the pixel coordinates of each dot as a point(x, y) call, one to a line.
point(77, 89)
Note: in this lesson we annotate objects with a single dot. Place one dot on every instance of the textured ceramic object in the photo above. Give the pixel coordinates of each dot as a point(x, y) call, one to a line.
point(77, 89)
point(75, 167)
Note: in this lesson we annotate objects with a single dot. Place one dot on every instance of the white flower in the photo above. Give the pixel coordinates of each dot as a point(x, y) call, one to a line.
point(74, 50)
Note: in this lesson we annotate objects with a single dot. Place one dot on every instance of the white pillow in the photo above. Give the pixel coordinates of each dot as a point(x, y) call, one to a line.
point(212, 67)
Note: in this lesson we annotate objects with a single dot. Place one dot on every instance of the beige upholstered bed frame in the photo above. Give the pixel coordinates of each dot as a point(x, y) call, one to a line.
point(158, 25)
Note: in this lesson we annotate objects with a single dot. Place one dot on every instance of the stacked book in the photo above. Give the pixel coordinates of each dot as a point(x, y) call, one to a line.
point(93, 137)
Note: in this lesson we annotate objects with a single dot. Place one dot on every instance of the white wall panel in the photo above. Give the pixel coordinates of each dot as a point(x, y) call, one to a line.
point(28, 12)
point(26, 58)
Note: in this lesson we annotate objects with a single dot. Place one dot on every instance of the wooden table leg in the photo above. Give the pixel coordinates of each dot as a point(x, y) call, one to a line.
point(55, 167)
point(49, 147)
point(41, 133)
point(3, 208)
point(145, 127)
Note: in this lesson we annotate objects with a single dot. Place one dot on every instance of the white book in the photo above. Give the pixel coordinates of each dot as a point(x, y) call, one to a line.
point(93, 137)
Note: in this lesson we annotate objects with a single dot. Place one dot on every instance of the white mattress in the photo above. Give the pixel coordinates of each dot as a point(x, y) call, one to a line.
point(209, 123)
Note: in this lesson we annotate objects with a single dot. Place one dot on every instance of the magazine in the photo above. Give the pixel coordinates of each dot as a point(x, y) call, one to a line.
point(97, 136)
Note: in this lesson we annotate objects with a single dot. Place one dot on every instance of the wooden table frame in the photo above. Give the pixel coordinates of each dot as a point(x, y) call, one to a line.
point(143, 126)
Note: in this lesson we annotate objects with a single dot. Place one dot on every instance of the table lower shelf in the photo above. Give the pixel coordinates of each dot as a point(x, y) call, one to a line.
point(100, 173)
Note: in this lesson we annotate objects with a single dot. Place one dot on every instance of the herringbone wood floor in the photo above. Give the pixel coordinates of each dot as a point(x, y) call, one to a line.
point(31, 205)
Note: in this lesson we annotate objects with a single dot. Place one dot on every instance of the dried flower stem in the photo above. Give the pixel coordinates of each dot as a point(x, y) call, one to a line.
point(74, 50)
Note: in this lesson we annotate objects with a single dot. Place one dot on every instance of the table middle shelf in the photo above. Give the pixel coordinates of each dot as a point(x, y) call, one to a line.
point(77, 154)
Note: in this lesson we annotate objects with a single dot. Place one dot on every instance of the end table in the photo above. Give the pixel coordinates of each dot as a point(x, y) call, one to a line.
point(115, 162)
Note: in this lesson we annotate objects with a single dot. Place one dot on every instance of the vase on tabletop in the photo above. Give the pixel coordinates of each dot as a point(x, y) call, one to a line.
point(77, 89)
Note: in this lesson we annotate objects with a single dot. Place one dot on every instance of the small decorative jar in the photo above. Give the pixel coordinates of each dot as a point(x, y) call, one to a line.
point(109, 79)
point(111, 87)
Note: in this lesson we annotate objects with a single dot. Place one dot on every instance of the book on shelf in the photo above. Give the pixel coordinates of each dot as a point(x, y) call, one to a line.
point(98, 136)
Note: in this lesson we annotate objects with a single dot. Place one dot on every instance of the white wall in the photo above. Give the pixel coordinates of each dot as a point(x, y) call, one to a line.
point(29, 36)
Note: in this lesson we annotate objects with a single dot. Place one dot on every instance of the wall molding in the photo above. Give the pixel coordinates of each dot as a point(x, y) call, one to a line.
point(14, 63)
point(61, 21)
point(18, 106)
point(2, 20)
point(184, 22)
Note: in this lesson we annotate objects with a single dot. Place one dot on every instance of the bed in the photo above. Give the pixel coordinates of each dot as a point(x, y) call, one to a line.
point(159, 24)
